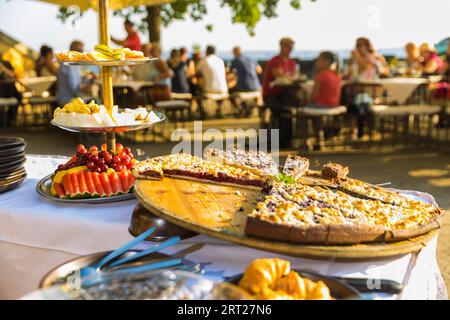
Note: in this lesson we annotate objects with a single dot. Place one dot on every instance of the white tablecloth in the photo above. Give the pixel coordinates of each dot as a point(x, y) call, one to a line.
point(399, 89)
point(37, 234)
point(38, 84)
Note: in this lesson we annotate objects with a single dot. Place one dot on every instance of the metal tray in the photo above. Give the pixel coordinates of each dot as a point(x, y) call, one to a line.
point(140, 126)
point(43, 189)
point(108, 63)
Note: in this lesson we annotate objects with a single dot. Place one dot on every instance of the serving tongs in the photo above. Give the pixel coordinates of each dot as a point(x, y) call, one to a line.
point(101, 271)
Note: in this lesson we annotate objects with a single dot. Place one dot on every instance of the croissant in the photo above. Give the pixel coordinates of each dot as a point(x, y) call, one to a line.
point(302, 288)
point(262, 273)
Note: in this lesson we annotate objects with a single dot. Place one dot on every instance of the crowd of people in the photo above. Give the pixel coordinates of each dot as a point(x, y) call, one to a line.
point(199, 74)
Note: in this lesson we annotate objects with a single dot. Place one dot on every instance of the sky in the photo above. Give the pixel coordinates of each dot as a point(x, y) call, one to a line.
point(324, 24)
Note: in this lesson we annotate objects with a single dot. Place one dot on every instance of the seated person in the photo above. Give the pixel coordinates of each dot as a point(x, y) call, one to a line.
point(246, 70)
point(141, 72)
point(277, 98)
point(178, 66)
point(369, 64)
point(160, 72)
point(44, 64)
point(70, 84)
point(412, 58)
point(327, 90)
point(430, 62)
point(212, 69)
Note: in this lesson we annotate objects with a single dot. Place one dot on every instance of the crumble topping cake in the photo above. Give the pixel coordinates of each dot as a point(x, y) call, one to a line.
point(295, 166)
point(258, 162)
point(301, 213)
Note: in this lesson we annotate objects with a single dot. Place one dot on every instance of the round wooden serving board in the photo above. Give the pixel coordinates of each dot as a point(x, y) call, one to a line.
point(221, 211)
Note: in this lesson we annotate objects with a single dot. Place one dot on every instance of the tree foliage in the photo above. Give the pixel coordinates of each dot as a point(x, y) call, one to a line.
point(246, 12)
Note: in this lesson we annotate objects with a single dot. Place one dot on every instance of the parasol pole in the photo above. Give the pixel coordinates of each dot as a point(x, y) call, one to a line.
point(106, 71)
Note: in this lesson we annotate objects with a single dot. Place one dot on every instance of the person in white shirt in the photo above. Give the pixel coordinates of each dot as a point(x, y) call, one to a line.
point(212, 69)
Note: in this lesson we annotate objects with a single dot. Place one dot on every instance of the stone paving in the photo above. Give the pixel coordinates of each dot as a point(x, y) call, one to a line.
point(418, 170)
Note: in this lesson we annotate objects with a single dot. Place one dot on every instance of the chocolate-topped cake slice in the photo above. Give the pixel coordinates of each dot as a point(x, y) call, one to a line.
point(334, 171)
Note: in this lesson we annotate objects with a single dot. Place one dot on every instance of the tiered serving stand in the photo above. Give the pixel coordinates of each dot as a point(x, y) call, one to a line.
point(106, 68)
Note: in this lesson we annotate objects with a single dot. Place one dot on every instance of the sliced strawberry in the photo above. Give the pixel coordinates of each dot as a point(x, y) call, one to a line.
point(59, 188)
point(67, 183)
point(115, 182)
point(106, 183)
point(90, 183)
point(97, 183)
point(82, 182)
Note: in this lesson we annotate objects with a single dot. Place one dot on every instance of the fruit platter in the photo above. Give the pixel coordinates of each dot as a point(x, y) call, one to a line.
point(92, 176)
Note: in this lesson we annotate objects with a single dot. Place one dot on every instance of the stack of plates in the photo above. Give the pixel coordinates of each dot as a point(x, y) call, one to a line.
point(12, 159)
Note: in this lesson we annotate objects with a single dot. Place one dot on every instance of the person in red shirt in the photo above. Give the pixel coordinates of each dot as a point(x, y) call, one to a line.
point(275, 97)
point(327, 90)
point(132, 40)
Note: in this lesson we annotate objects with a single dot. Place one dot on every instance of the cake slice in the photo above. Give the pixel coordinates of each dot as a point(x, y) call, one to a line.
point(295, 166)
point(334, 171)
point(258, 162)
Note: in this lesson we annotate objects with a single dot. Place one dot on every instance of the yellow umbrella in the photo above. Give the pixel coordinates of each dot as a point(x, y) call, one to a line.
point(113, 4)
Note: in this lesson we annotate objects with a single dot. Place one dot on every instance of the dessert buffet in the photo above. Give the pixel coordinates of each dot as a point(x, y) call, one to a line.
point(229, 224)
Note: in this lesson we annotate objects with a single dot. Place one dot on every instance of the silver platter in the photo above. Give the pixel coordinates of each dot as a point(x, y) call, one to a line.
point(108, 63)
point(43, 188)
point(135, 127)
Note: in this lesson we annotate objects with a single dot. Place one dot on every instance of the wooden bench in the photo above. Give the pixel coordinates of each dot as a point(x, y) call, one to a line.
point(244, 102)
point(399, 118)
point(318, 117)
point(218, 98)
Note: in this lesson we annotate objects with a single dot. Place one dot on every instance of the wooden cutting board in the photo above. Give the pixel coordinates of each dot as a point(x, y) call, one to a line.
point(220, 212)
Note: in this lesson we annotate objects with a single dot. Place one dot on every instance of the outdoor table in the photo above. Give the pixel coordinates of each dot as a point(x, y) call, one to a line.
point(37, 234)
point(38, 85)
point(399, 89)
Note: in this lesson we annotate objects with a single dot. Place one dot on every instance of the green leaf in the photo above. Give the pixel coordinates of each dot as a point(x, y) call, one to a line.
point(289, 180)
point(246, 12)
